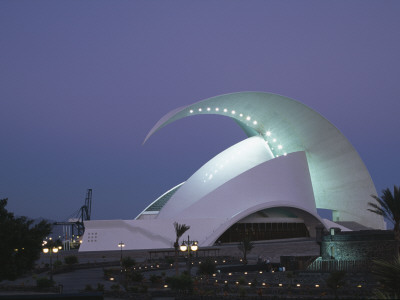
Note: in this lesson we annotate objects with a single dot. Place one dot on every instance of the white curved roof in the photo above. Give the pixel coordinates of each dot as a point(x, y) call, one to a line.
point(280, 182)
point(340, 180)
point(295, 161)
point(216, 172)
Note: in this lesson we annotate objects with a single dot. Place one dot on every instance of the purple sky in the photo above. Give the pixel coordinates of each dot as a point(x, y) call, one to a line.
point(82, 83)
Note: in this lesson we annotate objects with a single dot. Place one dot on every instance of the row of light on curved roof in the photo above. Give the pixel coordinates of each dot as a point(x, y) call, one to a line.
point(268, 134)
point(225, 110)
point(268, 140)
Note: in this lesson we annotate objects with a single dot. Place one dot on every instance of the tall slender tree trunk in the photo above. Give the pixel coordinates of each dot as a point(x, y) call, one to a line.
point(176, 246)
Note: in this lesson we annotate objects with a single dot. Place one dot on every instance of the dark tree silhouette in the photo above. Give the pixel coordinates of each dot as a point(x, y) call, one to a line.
point(21, 243)
point(245, 247)
point(335, 281)
point(388, 274)
point(388, 206)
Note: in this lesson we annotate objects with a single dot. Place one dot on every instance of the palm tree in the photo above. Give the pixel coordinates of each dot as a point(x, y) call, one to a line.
point(388, 206)
point(388, 274)
point(245, 246)
point(180, 229)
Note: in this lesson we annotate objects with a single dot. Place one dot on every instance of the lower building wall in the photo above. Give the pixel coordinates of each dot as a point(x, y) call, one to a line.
point(359, 245)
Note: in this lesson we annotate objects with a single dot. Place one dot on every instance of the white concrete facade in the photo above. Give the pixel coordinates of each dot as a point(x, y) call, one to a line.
point(293, 159)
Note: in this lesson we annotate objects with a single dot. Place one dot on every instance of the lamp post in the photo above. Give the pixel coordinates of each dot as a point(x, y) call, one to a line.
point(50, 250)
point(121, 245)
point(189, 246)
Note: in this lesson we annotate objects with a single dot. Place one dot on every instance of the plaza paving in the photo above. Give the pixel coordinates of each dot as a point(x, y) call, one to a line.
point(92, 274)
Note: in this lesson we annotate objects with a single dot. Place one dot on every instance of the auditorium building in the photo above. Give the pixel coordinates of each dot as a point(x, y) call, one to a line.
point(267, 187)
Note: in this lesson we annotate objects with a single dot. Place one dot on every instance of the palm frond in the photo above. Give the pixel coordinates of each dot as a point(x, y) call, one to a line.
point(180, 229)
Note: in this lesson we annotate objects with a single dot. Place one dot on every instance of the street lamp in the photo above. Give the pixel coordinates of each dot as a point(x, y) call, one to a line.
point(189, 246)
point(121, 245)
point(50, 250)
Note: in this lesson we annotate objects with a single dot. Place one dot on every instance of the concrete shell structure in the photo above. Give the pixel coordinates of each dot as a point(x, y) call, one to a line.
point(293, 162)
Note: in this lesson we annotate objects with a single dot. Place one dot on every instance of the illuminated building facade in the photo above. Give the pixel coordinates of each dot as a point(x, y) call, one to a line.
point(267, 186)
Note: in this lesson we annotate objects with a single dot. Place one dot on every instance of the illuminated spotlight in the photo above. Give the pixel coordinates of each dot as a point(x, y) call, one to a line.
point(280, 147)
point(214, 275)
point(200, 109)
point(241, 115)
point(249, 283)
point(165, 285)
point(230, 274)
point(268, 133)
point(248, 118)
point(208, 109)
point(112, 278)
point(216, 261)
point(280, 284)
point(263, 283)
point(245, 273)
point(191, 111)
point(233, 112)
point(277, 156)
point(225, 281)
point(216, 109)
point(298, 285)
point(274, 140)
point(359, 286)
point(223, 261)
point(285, 154)
point(317, 285)
point(260, 272)
point(255, 122)
point(216, 280)
point(237, 282)
point(225, 110)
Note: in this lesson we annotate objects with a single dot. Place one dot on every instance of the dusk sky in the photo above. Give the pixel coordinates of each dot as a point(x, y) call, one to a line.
point(83, 82)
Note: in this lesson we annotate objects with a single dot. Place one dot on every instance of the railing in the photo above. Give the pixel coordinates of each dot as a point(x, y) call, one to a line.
point(329, 265)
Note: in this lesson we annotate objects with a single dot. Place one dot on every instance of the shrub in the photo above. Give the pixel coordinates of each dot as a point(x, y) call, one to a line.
point(57, 264)
point(107, 273)
point(207, 267)
point(71, 259)
point(155, 278)
point(180, 283)
point(254, 282)
point(88, 288)
point(134, 289)
point(44, 282)
point(100, 287)
point(242, 292)
point(115, 287)
point(143, 289)
point(128, 262)
point(242, 281)
point(137, 276)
